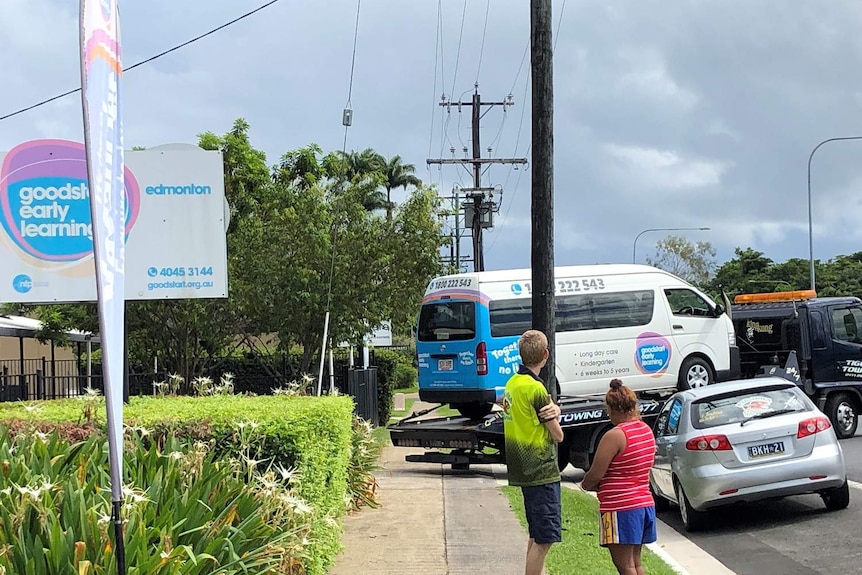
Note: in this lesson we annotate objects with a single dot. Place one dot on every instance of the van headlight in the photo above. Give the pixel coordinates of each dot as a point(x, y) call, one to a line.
point(731, 339)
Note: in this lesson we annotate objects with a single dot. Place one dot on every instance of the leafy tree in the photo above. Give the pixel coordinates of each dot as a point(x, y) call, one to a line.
point(398, 175)
point(693, 262)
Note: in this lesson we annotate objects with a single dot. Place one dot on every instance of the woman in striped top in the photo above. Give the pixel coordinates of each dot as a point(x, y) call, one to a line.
point(620, 474)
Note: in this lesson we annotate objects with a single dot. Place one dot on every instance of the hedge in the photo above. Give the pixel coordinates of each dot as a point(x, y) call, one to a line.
point(309, 434)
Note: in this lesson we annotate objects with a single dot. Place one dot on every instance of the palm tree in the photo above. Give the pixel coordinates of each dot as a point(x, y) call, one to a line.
point(397, 174)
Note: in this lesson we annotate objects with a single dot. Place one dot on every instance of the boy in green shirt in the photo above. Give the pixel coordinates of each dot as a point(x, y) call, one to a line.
point(532, 430)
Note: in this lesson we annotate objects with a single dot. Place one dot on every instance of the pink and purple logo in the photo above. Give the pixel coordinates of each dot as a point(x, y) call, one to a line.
point(45, 200)
point(652, 354)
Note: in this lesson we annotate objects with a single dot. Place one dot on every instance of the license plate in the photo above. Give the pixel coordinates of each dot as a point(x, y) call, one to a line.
point(444, 364)
point(766, 449)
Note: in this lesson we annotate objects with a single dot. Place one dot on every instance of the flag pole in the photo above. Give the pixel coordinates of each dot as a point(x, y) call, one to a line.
point(101, 71)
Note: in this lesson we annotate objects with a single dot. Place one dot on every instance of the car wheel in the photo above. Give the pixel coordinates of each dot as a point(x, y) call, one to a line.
point(695, 372)
point(473, 410)
point(692, 519)
point(841, 410)
point(838, 498)
point(661, 504)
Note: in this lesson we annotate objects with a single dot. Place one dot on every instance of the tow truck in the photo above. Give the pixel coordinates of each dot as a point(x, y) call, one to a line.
point(825, 333)
point(466, 441)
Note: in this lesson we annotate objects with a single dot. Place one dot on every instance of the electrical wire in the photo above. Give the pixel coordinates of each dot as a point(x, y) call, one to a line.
point(520, 67)
point(458, 54)
point(482, 48)
point(148, 60)
point(352, 67)
point(434, 90)
point(518, 138)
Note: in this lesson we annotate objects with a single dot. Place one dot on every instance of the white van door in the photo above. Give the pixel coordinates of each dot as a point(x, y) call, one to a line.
point(696, 331)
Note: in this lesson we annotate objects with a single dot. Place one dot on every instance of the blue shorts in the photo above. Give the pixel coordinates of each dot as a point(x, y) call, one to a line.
point(631, 527)
point(542, 508)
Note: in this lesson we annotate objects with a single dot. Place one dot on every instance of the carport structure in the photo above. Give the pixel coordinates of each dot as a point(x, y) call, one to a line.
point(26, 378)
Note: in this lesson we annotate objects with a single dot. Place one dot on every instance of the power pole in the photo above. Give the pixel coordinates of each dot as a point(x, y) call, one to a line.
point(481, 205)
point(542, 208)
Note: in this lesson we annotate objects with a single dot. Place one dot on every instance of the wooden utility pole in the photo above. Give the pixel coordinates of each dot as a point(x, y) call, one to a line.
point(477, 193)
point(542, 208)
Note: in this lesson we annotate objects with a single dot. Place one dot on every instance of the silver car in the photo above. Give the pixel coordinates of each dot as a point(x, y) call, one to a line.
point(745, 440)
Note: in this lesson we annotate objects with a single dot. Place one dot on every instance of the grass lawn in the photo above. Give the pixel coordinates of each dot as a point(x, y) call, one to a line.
point(395, 415)
point(579, 551)
point(381, 436)
point(412, 389)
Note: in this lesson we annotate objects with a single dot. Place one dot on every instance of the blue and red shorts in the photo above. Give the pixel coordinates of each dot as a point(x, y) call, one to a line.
point(630, 527)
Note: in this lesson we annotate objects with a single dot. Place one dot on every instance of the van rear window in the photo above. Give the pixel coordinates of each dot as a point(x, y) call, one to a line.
point(447, 321)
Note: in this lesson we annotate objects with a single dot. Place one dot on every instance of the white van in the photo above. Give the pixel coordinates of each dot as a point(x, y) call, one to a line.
point(638, 323)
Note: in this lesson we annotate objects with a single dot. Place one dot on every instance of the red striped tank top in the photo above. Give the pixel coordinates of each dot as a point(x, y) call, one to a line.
point(626, 482)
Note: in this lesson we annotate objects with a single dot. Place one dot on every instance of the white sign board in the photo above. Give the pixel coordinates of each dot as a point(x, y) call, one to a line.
point(380, 337)
point(175, 224)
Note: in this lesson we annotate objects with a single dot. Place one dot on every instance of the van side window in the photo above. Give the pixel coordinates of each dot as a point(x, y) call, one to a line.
point(510, 316)
point(686, 302)
point(846, 324)
point(604, 310)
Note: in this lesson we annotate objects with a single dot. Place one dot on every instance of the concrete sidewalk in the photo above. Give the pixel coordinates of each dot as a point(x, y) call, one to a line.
point(434, 520)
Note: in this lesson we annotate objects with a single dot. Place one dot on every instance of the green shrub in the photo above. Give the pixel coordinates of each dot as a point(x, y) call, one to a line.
point(309, 434)
point(185, 511)
point(395, 370)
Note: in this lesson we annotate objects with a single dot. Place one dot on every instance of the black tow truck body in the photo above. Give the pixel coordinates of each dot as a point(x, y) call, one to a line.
point(469, 441)
point(826, 336)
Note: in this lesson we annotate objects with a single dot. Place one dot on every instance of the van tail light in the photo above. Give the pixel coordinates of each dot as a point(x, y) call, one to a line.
point(811, 426)
point(708, 443)
point(481, 359)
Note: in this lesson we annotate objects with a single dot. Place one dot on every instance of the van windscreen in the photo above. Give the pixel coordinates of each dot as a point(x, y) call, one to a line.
point(447, 321)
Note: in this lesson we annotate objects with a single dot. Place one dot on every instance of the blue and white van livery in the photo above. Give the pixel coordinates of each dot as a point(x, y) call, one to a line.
point(648, 327)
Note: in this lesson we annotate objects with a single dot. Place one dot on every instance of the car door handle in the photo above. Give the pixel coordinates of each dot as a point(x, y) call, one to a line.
point(677, 326)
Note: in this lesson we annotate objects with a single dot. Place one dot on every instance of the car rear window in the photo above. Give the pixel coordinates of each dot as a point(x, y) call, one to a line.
point(725, 408)
point(447, 321)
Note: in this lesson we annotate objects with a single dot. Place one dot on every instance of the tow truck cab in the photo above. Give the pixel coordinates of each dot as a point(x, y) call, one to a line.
point(825, 333)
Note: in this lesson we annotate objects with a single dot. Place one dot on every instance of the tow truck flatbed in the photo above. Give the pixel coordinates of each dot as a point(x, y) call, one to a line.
point(481, 441)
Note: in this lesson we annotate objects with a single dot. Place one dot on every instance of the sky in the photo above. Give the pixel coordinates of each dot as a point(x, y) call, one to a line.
point(666, 114)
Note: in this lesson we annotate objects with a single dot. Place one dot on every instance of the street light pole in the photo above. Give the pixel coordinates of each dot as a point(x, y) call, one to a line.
point(637, 237)
point(810, 218)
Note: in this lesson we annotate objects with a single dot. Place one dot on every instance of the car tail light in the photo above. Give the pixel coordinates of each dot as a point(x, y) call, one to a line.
point(481, 359)
point(811, 426)
point(708, 443)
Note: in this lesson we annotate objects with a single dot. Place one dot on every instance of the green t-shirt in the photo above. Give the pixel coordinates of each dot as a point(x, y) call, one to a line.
point(531, 453)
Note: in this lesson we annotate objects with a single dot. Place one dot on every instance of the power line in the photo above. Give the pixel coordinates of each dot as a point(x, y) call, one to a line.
point(148, 60)
point(434, 90)
point(518, 138)
point(352, 69)
point(458, 54)
point(482, 48)
point(520, 66)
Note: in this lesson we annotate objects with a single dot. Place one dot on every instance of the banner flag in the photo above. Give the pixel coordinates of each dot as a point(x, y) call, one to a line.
point(101, 70)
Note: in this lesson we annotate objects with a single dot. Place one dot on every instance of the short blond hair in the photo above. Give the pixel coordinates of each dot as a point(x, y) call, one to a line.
point(532, 346)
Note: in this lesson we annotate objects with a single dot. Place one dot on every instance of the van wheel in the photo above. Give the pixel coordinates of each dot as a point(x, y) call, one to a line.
point(695, 372)
point(473, 410)
point(841, 410)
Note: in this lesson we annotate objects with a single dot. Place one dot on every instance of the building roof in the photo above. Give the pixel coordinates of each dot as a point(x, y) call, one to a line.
point(17, 326)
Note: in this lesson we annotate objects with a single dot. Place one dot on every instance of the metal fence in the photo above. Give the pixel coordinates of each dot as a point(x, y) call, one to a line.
point(33, 379)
